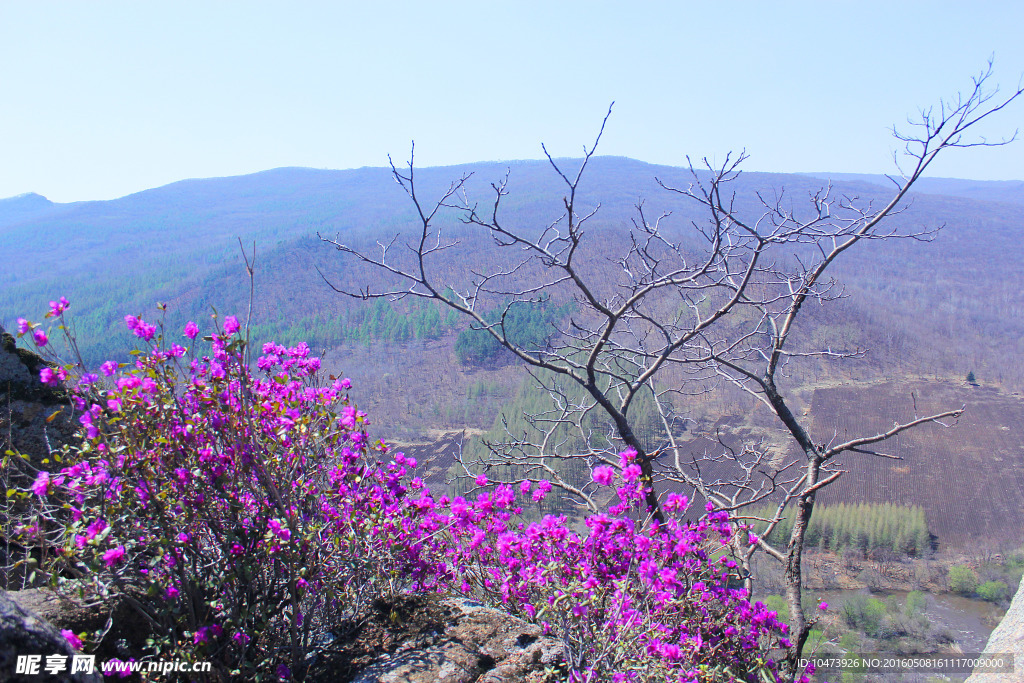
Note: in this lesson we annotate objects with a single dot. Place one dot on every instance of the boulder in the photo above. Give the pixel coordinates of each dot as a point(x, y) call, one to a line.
point(125, 629)
point(1007, 638)
point(432, 639)
point(23, 633)
point(26, 404)
point(35, 420)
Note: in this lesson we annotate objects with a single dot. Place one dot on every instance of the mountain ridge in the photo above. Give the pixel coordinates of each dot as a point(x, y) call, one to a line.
point(984, 190)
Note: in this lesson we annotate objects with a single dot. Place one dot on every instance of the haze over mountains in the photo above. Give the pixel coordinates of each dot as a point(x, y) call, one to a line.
point(927, 312)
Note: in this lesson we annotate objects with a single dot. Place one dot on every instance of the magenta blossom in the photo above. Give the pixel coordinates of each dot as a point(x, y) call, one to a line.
point(39, 337)
point(676, 502)
point(48, 377)
point(73, 640)
point(113, 556)
point(603, 475)
point(279, 530)
point(22, 326)
point(191, 329)
point(145, 330)
point(231, 325)
point(58, 307)
point(631, 473)
point(42, 483)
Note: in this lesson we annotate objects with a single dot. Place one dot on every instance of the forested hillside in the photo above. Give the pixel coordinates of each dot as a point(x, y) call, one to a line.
point(946, 306)
point(923, 311)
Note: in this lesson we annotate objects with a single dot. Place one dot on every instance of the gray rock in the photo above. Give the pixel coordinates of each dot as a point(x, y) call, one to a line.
point(478, 645)
point(1007, 638)
point(35, 421)
point(26, 403)
point(125, 629)
point(25, 633)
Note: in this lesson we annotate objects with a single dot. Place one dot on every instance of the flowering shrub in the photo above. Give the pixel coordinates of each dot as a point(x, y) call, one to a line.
point(242, 513)
point(631, 601)
point(246, 513)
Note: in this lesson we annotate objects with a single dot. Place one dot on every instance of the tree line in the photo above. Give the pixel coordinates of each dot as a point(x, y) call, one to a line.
point(865, 527)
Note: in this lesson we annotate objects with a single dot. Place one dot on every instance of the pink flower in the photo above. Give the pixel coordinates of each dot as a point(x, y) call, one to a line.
point(279, 530)
point(57, 308)
point(171, 593)
point(542, 490)
point(144, 330)
point(22, 326)
point(42, 483)
point(39, 337)
point(191, 329)
point(97, 527)
point(73, 640)
point(823, 606)
point(603, 475)
point(481, 480)
point(113, 556)
point(118, 667)
point(109, 368)
point(675, 502)
point(48, 377)
point(231, 325)
point(631, 473)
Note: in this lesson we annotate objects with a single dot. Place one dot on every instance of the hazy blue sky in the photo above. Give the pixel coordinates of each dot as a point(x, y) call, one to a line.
point(102, 99)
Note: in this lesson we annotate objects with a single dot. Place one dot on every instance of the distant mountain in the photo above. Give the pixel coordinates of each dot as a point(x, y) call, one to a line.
point(1006, 191)
point(24, 207)
point(180, 244)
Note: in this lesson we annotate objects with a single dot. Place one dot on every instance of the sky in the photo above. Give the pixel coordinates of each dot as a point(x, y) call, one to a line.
point(99, 100)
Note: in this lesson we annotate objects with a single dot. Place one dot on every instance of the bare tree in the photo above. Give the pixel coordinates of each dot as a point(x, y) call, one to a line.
point(664, 313)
